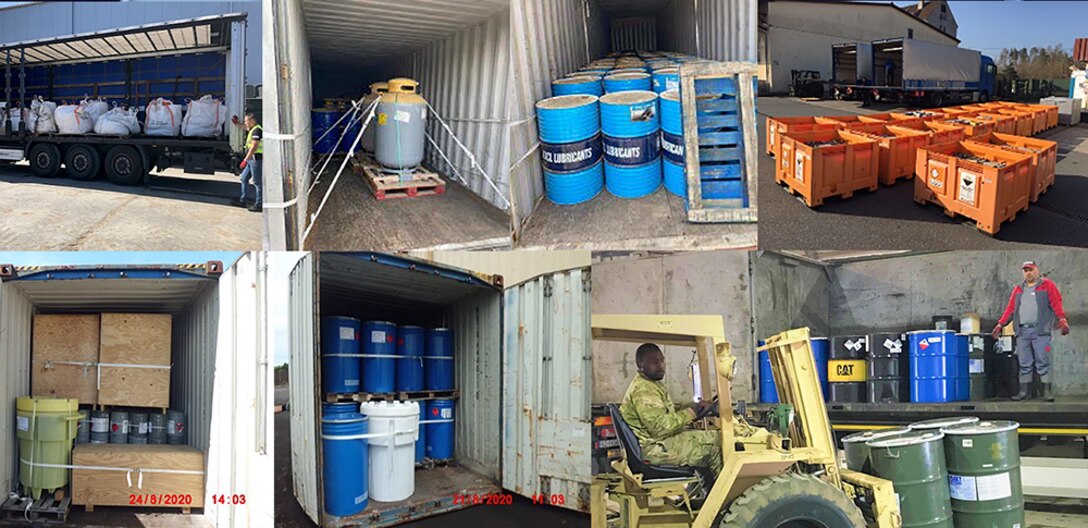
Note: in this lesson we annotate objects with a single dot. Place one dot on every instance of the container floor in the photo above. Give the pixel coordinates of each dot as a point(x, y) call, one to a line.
point(606, 222)
point(434, 495)
point(353, 219)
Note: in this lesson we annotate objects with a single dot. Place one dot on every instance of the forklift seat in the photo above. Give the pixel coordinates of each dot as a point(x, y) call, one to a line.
point(633, 453)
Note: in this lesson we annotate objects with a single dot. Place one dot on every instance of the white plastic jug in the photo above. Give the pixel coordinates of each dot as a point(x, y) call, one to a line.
point(394, 429)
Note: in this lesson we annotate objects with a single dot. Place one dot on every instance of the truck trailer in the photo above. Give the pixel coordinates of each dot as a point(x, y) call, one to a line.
point(132, 66)
point(912, 71)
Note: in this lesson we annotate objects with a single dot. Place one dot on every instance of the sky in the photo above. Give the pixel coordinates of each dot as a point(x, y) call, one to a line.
point(989, 26)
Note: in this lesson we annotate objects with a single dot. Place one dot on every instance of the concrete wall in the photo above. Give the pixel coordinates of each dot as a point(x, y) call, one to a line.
point(800, 34)
point(706, 283)
point(903, 293)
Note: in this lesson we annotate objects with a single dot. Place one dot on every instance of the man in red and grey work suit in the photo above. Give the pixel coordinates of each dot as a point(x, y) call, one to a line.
point(1035, 308)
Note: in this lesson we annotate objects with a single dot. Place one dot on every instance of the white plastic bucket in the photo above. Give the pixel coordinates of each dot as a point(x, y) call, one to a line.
point(394, 430)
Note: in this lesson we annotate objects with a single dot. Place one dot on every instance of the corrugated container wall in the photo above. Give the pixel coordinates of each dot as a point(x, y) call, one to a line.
point(465, 77)
point(551, 38)
point(634, 33)
point(509, 265)
point(57, 19)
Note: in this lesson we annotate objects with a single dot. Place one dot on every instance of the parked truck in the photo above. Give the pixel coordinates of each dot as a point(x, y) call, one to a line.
point(131, 66)
point(911, 71)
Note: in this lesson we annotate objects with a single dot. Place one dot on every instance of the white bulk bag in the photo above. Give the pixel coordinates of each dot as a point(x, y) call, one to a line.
point(205, 118)
point(73, 119)
point(95, 108)
point(41, 120)
point(163, 118)
point(18, 115)
point(117, 122)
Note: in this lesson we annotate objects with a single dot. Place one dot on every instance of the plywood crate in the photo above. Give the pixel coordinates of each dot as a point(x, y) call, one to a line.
point(67, 339)
point(986, 184)
point(135, 339)
point(101, 487)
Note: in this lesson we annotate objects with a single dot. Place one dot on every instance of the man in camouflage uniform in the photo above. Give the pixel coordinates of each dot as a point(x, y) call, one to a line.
point(661, 425)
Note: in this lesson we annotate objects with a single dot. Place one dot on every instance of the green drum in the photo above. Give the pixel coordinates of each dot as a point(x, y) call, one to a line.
point(984, 474)
point(937, 424)
point(45, 428)
point(857, 452)
point(914, 462)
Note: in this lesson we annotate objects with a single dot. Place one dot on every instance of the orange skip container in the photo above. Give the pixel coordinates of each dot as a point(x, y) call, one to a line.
point(898, 148)
point(1044, 157)
point(820, 172)
point(988, 194)
point(780, 126)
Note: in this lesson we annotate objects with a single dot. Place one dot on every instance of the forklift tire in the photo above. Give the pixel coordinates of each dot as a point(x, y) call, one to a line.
point(44, 160)
point(124, 166)
point(792, 500)
point(82, 162)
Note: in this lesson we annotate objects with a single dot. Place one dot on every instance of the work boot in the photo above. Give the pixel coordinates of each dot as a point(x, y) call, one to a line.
point(1048, 392)
point(1025, 387)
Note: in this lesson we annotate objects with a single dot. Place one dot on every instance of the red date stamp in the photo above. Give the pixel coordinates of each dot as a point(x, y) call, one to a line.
point(553, 500)
point(163, 499)
point(490, 499)
point(233, 499)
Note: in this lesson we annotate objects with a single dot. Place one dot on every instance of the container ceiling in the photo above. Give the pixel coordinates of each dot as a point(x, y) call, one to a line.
point(113, 295)
point(175, 37)
point(358, 287)
point(631, 8)
point(365, 31)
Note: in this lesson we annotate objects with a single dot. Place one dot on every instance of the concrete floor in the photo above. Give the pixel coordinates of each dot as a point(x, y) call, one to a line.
point(521, 514)
point(176, 212)
point(889, 218)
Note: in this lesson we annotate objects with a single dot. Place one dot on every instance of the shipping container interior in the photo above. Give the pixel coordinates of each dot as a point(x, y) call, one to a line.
point(458, 52)
point(564, 35)
point(196, 339)
point(403, 291)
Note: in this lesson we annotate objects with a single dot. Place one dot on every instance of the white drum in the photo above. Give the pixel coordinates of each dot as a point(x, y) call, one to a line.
point(394, 429)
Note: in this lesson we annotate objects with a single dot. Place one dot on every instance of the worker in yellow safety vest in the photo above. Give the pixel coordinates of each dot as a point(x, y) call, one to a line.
point(251, 164)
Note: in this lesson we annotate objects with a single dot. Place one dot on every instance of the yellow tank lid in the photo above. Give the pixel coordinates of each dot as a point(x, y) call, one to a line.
point(44, 404)
point(403, 85)
point(379, 87)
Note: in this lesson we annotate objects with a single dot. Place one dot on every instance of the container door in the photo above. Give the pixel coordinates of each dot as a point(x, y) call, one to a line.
point(546, 389)
point(302, 373)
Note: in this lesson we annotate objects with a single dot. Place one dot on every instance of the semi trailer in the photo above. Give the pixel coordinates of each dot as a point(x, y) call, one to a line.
point(911, 71)
point(132, 66)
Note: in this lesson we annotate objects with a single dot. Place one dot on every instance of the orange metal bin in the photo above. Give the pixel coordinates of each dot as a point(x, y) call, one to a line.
point(986, 184)
point(779, 126)
point(1024, 121)
point(1003, 123)
point(825, 163)
point(972, 125)
point(1044, 157)
point(898, 148)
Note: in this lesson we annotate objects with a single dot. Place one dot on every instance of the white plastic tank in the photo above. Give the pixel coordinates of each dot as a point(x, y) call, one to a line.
point(402, 121)
point(394, 430)
point(369, 135)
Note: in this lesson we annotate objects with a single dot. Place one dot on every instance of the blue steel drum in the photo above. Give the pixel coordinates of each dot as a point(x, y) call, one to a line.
point(598, 71)
point(632, 182)
point(768, 392)
point(586, 85)
point(438, 361)
point(671, 115)
point(322, 119)
point(353, 126)
point(379, 356)
point(421, 443)
point(666, 79)
point(674, 176)
point(932, 366)
point(962, 373)
point(345, 463)
point(574, 187)
point(629, 114)
point(627, 82)
point(339, 408)
point(624, 71)
point(571, 148)
point(440, 429)
point(410, 349)
point(340, 364)
point(821, 350)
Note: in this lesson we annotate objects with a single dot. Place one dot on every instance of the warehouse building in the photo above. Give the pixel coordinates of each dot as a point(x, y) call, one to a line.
point(799, 35)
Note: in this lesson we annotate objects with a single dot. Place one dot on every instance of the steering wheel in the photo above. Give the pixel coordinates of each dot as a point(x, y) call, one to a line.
point(710, 410)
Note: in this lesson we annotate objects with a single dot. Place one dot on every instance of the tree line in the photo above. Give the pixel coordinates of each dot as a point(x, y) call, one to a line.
point(1051, 62)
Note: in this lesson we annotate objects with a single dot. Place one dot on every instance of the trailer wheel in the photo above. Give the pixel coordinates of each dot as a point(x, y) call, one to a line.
point(124, 166)
point(44, 160)
point(792, 500)
point(937, 98)
point(983, 96)
point(82, 162)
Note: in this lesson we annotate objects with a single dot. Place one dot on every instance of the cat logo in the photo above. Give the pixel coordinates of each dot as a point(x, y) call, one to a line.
point(846, 370)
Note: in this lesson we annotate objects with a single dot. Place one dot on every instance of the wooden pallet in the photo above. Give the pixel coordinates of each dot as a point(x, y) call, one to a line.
point(392, 396)
point(387, 186)
point(50, 509)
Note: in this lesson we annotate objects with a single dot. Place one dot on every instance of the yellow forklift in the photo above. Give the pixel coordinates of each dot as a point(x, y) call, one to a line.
point(784, 476)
